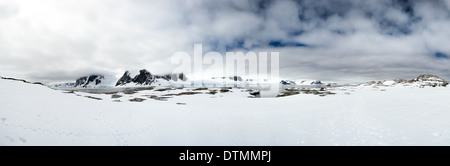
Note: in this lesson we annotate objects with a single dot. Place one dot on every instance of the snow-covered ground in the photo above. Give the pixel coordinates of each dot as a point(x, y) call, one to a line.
point(360, 115)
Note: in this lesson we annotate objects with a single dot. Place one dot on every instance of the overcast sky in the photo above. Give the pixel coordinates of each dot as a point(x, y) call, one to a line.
point(61, 40)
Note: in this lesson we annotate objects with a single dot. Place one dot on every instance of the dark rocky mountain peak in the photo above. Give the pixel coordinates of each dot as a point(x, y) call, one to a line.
point(182, 77)
point(146, 78)
point(316, 83)
point(236, 78)
point(125, 79)
point(287, 82)
point(143, 78)
point(88, 80)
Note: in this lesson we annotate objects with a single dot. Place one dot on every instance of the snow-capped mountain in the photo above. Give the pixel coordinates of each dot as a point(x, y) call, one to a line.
point(91, 80)
point(301, 82)
point(62, 85)
point(308, 82)
point(143, 78)
point(287, 82)
point(146, 78)
point(125, 79)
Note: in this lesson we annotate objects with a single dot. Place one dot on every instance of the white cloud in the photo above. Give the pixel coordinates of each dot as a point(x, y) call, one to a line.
point(349, 39)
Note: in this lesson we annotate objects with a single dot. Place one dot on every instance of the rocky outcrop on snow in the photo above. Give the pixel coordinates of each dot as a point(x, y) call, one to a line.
point(313, 82)
point(146, 78)
point(422, 81)
point(88, 80)
point(301, 82)
point(430, 80)
point(174, 77)
point(182, 77)
point(314, 91)
point(374, 83)
point(143, 78)
point(316, 82)
point(125, 79)
point(21, 80)
point(236, 78)
point(166, 77)
point(231, 78)
point(63, 85)
point(308, 82)
point(401, 81)
point(15, 79)
point(287, 82)
point(333, 84)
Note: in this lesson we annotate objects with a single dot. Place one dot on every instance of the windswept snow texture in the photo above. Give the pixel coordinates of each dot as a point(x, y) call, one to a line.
point(362, 115)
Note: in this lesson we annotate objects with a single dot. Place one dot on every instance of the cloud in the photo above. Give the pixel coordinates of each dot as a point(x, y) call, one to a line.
point(55, 40)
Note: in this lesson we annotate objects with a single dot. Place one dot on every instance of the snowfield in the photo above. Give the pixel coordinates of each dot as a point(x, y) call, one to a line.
point(356, 115)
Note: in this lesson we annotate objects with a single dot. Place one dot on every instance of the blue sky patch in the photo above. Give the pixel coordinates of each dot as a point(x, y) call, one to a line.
point(440, 55)
point(286, 44)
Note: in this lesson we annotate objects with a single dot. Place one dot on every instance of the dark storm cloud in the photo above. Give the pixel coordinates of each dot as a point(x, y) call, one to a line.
point(317, 39)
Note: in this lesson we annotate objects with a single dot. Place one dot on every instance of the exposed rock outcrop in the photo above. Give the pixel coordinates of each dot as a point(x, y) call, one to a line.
point(422, 81)
point(125, 79)
point(146, 78)
point(316, 82)
point(88, 80)
point(236, 78)
point(22, 80)
point(430, 80)
point(143, 78)
point(287, 82)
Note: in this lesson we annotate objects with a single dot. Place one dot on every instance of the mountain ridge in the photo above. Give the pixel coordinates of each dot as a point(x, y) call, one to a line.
point(145, 78)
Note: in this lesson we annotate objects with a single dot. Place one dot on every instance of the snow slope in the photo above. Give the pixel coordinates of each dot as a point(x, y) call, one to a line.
point(356, 115)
